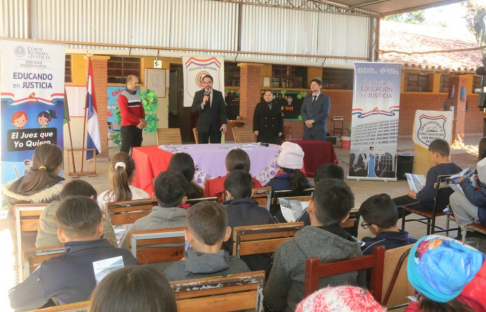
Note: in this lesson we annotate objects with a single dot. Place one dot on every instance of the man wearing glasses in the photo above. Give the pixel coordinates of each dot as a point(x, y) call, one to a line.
point(210, 105)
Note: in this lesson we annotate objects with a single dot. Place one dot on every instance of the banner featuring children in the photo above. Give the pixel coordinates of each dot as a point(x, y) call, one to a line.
point(376, 103)
point(32, 108)
point(195, 68)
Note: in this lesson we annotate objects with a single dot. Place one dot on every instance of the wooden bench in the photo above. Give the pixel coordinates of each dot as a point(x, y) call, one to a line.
point(199, 200)
point(72, 307)
point(127, 212)
point(169, 136)
point(263, 195)
point(314, 270)
point(262, 239)
point(33, 257)
point(236, 292)
point(153, 246)
point(243, 136)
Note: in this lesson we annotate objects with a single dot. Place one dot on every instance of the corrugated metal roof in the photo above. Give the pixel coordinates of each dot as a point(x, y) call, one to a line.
point(391, 7)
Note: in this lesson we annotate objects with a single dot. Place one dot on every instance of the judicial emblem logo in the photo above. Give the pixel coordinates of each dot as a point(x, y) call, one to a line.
point(431, 128)
point(19, 51)
point(199, 78)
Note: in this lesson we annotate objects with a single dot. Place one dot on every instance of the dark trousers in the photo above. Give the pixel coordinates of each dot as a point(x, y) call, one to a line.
point(309, 135)
point(409, 202)
point(131, 136)
point(214, 134)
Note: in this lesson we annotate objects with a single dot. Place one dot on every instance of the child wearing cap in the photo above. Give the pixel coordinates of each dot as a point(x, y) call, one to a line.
point(470, 207)
point(380, 216)
point(324, 239)
point(439, 268)
point(291, 161)
point(340, 298)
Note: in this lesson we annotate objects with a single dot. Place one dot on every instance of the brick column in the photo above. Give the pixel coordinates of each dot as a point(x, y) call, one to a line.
point(250, 88)
point(459, 127)
point(100, 75)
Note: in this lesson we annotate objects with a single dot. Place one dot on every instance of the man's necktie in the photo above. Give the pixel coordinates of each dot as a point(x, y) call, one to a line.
point(314, 100)
point(209, 100)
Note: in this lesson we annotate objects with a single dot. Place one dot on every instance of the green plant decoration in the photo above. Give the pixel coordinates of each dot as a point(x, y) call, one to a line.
point(150, 103)
point(283, 91)
point(299, 96)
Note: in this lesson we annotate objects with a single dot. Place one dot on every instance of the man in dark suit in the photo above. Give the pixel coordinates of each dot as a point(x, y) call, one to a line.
point(210, 105)
point(314, 111)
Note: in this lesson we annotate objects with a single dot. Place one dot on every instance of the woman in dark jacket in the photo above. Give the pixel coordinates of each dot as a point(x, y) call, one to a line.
point(267, 120)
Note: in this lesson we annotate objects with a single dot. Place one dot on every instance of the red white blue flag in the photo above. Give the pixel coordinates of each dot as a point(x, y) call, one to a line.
point(94, 140)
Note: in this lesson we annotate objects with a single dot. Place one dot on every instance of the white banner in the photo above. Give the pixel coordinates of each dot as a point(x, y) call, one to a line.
point(431, 125)
point(195, 68)
point(376, 105)
point(32, 109)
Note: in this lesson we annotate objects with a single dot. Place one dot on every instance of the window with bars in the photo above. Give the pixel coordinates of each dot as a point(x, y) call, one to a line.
point(68, 69)
point(289, 76)
point(120, 67)
point(337, 78)
point(419, 81)
point(231, 74)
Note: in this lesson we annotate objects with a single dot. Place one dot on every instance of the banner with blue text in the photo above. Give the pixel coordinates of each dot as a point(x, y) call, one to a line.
point(32, 107)
point(374, 134)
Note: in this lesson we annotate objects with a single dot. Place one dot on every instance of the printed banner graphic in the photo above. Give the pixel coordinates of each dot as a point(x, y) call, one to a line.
point(376, 106)
point(32, 108)
point(195, 68)
point(431, 125)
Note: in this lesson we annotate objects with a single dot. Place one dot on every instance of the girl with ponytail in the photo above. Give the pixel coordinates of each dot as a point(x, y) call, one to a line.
point(44, 117)
point(122, 171)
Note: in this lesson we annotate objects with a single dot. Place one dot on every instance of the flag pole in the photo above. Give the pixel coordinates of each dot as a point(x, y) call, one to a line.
point(85, 112)
point(66, 111)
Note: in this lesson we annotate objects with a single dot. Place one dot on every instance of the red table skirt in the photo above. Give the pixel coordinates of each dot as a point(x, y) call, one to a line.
point(150, 161)
point(316, 153)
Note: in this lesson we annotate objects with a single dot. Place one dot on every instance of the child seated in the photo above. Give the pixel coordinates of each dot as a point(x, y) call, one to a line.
point(184, 164)
point(170, 189)
point(236, 159)
point(47, 233)
point(439, 151)
point(440, 268)
point(207, 229)
point(242, 210)
point(69, 278)
point(380, 216)
point(139, 288)
point(324, 239)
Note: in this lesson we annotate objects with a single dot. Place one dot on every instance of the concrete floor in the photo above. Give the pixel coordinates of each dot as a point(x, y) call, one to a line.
point(464, 157)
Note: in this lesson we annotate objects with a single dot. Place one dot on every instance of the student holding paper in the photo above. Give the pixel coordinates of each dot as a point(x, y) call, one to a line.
point(470, 207)
point(439, 151)
point(69, 278)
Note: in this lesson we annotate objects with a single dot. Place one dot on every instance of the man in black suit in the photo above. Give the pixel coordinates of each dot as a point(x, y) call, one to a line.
point(314, 111)
point(210, 105)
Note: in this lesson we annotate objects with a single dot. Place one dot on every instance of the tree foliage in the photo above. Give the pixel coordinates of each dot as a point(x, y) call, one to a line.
point(415, 17)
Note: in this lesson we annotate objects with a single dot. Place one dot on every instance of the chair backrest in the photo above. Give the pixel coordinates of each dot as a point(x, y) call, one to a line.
point(169, 136)
point(243, 136)
point(28, 216)
point(263, 195)
point(396, 287)
point(127, 212)
point(262, 239)
point(196, 135)
point(157, 245)
point(72, 307)
point(287, 130)
point(33, 257)
point(203, 199)
point(338, 118)
point(291, 193)
point(314, 270)
point(237, 292)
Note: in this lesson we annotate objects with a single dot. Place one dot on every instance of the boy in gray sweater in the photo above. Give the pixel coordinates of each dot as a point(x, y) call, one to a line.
point(207, 229)
point(324, 239)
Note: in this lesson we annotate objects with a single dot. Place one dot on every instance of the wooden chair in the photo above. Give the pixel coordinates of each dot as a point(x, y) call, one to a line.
point(442, 189)
point(473, 227)
point(26, 221)
point(314, 270)
point(352, 224)
point(243, 136)
point(287, 131)
point(169, 136)
point(203, 199)
point(33, 257)
point(127, 212)
point(72, 307)
point(157, 245)
point(262, 239)
point(289, 193)
point(396, 286)
point(236, 292)
point(196, 135)
point(263, 195)
point(338, 125)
